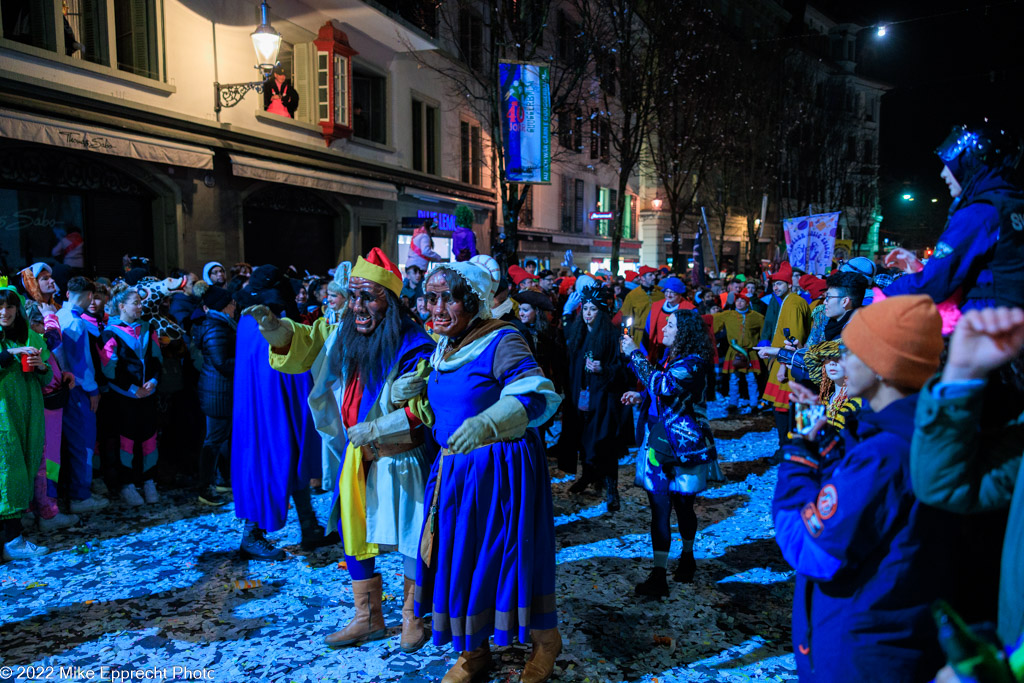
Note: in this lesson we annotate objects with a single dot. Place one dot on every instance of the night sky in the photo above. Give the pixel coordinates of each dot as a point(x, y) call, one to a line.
point(949, 62)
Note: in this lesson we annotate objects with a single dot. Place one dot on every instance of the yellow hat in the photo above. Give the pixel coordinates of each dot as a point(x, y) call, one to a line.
point(377, 267)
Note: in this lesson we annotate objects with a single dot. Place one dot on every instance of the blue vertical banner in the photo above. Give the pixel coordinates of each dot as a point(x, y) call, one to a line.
point(526, 121)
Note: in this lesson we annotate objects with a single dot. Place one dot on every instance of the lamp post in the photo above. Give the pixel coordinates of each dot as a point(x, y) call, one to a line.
point(267, 43)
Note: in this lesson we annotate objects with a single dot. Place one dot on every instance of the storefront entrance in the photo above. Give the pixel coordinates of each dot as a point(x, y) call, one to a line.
point(47, 196)
point(289, 226)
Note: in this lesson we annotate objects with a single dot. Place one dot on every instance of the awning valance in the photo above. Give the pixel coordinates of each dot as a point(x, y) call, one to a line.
point(287, 174)
point(49, 131)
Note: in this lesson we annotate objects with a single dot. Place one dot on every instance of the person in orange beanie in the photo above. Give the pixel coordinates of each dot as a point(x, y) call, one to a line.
point(865, 549)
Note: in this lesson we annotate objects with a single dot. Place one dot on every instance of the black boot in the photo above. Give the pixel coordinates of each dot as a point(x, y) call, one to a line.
point(579, 485)
point(612, 482)
point(686, 568)
point(255, 546)
point(656, 585)
point(313, 538)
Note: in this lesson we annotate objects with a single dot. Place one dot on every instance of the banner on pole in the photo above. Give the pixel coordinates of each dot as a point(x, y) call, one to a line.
point(526, 121)
point(811, 241)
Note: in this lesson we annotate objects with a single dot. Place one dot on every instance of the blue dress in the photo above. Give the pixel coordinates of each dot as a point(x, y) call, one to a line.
point(275, 449)
point(494, 570)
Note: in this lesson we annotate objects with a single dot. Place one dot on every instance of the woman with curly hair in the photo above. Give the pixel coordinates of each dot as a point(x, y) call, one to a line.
point(677, 455)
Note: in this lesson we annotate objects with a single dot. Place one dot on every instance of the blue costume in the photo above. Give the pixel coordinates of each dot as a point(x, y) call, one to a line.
point(981, 251)
point(870, 558)
point(275, 449)
point(494, 572)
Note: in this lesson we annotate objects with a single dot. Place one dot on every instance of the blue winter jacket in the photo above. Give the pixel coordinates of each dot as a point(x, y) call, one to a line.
point(870, 558)
point(966, 251)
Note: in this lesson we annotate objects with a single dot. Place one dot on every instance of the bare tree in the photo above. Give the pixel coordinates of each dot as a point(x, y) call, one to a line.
point(479, 35)
point(624, 54)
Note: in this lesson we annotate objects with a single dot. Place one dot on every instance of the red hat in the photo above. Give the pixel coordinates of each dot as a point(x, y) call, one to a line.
point(520, 275)
point(631, 275)
point(377, 267)
point(784, 273)
point(813, 285)
point(647, 269)
point(737, 297)
point(566, 284)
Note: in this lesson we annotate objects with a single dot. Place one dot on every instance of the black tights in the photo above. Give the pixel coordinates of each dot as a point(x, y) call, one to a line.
point(661, 518)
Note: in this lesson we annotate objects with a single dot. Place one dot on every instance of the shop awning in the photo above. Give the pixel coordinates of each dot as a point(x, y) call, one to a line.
point(287, 174)
point(48, 131)
point(436, 197)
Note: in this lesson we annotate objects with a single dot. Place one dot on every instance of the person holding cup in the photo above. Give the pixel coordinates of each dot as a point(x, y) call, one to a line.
point(24, 371)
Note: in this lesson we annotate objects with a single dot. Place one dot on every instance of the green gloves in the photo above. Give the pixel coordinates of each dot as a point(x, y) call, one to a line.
point(277, 334)
point(505, 420)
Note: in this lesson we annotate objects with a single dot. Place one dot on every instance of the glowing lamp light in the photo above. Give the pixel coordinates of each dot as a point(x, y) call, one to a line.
point(656, 203)
point(934, 200)
point(908, 197)
point(881, 31)
point(266, 40)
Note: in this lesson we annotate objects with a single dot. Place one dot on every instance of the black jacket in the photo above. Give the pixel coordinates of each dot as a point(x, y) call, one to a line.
point(289, 98)
point(215, 339)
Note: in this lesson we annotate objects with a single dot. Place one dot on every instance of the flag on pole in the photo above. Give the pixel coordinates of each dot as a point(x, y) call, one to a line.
point(697, 274)
point(811, 241)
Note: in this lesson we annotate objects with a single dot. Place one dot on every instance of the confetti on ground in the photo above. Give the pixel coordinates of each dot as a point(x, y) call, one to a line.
point(155, 588)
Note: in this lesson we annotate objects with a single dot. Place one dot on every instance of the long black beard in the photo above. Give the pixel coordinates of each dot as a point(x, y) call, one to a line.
point(371, 356)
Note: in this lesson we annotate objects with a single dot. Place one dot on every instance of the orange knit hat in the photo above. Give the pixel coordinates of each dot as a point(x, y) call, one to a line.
point(899, 338)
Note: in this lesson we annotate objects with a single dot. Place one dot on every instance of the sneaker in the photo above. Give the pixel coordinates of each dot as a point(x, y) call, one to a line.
point(149, 492)
point(59, 521)
point(90, 504)
point(222, 488)
point(21, 549)
point(655, 586)
point(130, 495)
point(255, 546)
point(209, 496)
point(99, 488)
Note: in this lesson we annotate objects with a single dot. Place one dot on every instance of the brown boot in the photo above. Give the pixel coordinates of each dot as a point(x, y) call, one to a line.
point(547, 645)
point(470, 666)
point(368, 624)
point(414, 636)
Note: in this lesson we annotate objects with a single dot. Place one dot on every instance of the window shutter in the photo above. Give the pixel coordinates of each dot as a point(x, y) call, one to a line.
point(92, 20)
point(304, 70)
point(143, 47)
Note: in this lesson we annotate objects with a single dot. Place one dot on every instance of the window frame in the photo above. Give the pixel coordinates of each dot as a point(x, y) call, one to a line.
point(385, 77)
point(470, 152)
point(57, 54)
point(430, 160)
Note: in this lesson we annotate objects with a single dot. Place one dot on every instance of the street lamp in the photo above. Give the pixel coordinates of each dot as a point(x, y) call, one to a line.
point(908, 197)
point(656, 204)
point(267, 43)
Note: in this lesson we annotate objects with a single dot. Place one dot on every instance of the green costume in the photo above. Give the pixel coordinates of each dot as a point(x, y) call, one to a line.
point(22, 427)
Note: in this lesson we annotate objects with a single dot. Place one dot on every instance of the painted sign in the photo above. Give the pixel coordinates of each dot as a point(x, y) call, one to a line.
point(811, 241)
point(526, 121)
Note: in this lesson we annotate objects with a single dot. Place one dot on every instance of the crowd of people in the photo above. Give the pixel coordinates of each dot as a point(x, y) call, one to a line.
point(422, 404)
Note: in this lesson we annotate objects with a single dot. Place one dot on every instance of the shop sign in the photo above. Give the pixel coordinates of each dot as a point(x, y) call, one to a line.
point(444, 221)
point(526, 121)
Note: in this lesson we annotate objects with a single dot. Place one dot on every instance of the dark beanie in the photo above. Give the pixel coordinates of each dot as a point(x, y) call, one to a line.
point(135, 275)
point(216, 298)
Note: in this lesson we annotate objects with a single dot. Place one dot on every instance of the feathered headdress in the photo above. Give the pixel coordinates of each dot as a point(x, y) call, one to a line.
point(596, 295)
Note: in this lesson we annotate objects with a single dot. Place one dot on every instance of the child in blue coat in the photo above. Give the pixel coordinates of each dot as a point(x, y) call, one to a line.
point(870, 558)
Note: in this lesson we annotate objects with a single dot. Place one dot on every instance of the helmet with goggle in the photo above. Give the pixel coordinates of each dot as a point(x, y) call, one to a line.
point(967, 149)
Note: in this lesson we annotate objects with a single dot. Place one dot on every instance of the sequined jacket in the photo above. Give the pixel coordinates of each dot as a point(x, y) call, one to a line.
point(678, 392)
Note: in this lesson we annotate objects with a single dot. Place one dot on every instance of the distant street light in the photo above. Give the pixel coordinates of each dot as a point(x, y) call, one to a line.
point(908, 197)
point(881, 31)
point(656, 203)
point(266, 41)
point(934, 200)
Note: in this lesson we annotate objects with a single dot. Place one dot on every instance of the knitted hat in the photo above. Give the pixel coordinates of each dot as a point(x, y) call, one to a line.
point(813, 285)
point(673, 284)
point(899, 338)
point(216, 298)
point(646, 269)
point(631, 275)
point(784, 273)
point(206, 271)
point(860, 265)
point(377, 267)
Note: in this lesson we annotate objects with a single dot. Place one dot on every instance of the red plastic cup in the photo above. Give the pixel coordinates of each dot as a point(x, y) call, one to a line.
point(26, 363)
